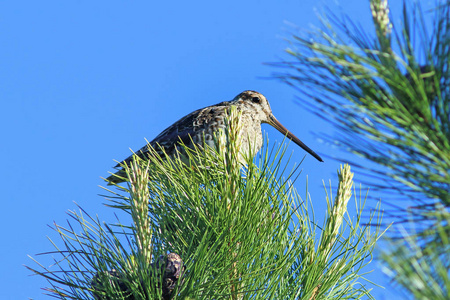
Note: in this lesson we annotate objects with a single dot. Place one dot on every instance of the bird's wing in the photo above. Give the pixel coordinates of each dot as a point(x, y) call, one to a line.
point(184, 130)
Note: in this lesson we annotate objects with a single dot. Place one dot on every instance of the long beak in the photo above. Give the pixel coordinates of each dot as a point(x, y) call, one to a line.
point(276, 124)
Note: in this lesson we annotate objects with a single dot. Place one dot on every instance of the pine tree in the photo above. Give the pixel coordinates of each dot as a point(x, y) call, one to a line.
point(387, 93)
point(215, 229)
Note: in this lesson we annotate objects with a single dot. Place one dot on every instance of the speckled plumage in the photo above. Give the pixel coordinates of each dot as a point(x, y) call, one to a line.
point(205, 122)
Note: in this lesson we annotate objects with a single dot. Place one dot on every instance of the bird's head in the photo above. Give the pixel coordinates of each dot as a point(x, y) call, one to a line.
point(260, 107)
point(256, 103)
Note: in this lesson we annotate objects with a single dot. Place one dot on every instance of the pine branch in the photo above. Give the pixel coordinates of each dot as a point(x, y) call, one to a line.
point(387, 94)
point(235, 228)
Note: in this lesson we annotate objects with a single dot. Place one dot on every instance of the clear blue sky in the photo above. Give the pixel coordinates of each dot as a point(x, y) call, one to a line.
point(81, 82)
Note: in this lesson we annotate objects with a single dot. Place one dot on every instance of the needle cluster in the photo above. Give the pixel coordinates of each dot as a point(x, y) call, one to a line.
point(240, 232)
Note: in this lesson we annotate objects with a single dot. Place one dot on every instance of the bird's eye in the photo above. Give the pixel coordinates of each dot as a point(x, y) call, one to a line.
point(256, 100)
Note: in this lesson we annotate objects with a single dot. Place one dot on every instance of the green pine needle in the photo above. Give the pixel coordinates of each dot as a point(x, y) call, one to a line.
point(239, 225)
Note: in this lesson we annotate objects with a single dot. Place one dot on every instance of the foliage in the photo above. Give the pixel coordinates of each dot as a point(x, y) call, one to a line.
point(422, 270)
point(243, 232)
point(387, 93)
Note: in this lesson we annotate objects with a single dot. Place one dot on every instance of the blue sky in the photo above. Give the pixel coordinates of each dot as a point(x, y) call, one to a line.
point(81, 82)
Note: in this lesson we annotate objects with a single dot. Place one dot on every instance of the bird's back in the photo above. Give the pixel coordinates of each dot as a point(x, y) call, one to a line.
point(194, 127)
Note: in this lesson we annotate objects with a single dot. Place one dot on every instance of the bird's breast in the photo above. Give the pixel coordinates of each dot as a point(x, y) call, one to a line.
point(250, 134)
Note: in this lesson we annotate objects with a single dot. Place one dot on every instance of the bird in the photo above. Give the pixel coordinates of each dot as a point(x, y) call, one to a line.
point(200, 126)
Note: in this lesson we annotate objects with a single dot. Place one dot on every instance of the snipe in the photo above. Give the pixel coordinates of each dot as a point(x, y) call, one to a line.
point(200, 126)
